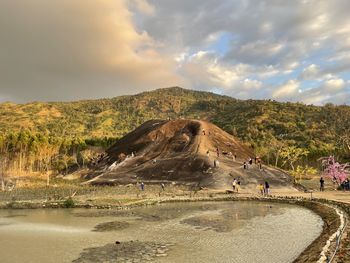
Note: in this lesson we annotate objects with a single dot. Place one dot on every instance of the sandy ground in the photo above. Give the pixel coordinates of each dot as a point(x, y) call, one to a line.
point(35, 190)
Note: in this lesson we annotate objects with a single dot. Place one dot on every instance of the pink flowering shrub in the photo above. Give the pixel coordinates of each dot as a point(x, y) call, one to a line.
point(334, 170)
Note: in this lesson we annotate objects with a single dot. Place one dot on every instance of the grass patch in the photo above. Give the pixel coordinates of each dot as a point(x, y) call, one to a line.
point(69, 203)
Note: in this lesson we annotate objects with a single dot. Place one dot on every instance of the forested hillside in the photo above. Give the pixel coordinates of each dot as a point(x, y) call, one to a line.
point(71, 127)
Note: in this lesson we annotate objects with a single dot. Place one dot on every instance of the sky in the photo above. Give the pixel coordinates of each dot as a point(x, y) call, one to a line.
point(285, 50)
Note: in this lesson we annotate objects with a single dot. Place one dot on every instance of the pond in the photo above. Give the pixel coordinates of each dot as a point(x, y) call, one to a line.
point(238, 231)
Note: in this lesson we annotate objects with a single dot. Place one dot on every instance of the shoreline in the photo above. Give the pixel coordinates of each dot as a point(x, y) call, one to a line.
point(325, 208)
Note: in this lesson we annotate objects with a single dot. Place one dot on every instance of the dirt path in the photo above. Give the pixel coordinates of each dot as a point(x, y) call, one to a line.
point(339, 196)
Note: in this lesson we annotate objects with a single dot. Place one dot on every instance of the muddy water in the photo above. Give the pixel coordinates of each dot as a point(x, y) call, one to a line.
point(182, 232)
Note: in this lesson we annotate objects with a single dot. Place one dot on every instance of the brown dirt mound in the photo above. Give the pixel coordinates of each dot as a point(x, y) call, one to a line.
point(178, 151)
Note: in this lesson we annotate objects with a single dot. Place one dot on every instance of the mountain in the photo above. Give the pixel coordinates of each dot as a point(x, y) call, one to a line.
point(106, 117)
point(260, 123)
point(185, 151)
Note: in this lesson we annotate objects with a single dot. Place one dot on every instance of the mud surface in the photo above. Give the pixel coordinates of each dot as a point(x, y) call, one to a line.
point(111, 226)
point(124, 252)
point(151, 214)
point(12, 216)
point(209, 223)
point(225, 220)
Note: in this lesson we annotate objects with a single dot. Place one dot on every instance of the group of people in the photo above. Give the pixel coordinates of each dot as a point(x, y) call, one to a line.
point(257, 161)
point(142, 186)
point(217, 151)
point(216, 161)
point(345, 185)
point(236, 185)
point(264, 188)
point(204, 132)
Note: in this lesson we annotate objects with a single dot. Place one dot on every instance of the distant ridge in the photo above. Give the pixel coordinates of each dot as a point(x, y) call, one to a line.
point(318, 128)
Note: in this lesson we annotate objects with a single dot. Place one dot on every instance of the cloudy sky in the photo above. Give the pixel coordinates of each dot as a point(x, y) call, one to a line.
point(287, 50)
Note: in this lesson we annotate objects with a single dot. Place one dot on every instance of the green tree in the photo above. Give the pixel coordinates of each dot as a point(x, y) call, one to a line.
point(302, 171)
point(292, 154)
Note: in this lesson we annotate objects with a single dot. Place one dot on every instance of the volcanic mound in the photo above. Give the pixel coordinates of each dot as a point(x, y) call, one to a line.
point(181, 151)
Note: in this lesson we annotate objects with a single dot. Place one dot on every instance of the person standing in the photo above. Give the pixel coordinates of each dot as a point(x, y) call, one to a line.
point(142, 186)
point(267, 188)
point(260, 187)
point(234, 184)
point(321, 184)
point(245, 165)
point(163, 186)
point(347, 185)
point(334, 180)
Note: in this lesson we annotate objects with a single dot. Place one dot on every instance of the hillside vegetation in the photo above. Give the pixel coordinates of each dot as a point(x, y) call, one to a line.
point(270, 127)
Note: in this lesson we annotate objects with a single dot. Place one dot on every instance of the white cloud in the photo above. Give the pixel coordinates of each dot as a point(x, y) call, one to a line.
point(334, 84)
point(251, 84)
point(311, 72)
point(144, 6)
point(258, 52)
point(331, 90)
point(286, 91)
point(271, 39)
point(204, 70)
point(180, 57)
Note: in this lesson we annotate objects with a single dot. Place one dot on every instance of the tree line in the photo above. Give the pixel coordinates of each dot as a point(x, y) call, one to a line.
point(25, 152)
